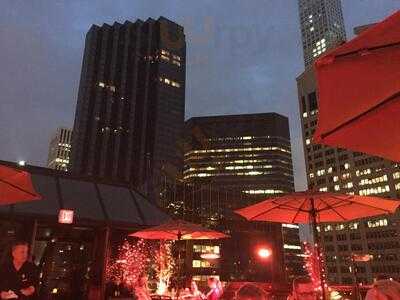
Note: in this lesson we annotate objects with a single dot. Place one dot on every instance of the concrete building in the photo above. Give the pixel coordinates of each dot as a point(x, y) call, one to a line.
point(239, 160)
point(343, 171)
point(131, 102)
point(60, 149)
point(322, 27)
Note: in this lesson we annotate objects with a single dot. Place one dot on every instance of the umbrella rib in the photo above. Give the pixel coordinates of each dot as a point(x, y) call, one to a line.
point(331, 207)
point(299, 210)
point(17, 187)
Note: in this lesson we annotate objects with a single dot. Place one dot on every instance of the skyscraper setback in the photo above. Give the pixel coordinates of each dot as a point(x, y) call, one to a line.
point(322, 27)
point(130, 109)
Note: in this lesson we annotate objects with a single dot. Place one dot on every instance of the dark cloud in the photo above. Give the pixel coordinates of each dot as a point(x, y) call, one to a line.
point(243, 57)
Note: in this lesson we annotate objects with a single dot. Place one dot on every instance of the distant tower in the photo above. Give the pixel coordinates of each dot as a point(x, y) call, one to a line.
point(322, 27)
point(131, 103)
point(59, 149)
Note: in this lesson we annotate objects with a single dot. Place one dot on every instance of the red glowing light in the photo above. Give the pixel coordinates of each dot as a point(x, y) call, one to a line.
point(264, 252)
point(66, 216)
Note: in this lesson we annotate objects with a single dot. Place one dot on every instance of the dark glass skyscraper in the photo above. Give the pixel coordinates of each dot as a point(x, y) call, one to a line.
point(249, 156)
point(130, 110)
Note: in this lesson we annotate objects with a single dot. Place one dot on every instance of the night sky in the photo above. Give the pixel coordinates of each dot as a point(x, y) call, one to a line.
point(243, 57)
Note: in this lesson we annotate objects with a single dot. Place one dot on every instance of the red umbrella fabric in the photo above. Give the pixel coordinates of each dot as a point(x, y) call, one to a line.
point(328, 207)
point(359, 92)
point(16, 186)
point(179, 230)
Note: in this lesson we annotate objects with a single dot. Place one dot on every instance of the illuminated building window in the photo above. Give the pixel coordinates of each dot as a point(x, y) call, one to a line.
point(293, 247)
point(308, 141)
point(304, 114)
point(330, 170)
point(354, 225)
point(163, 57)
point(337, 187)
point(311, 175)
point(312, 29)
point(169, 82)
point(335, 178)
point(175, 62)
point(102, 84)
point(328, 228)
point(294, 226)
point(363, 172)
point(257, 192)
point(346, 175)
point(346, 166)
point(321, 172)
point(323, 189)
point(176, 57)
point(164, 52)
point(340, 227)
point(396, 175)
point(397, 186)
point(377, 223)
point(201, 264)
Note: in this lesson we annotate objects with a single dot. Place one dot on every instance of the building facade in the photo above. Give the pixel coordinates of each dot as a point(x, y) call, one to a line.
point(343, 171)
point(322, 27)
point(248, 157)
point(60, 149)
point(131, 101)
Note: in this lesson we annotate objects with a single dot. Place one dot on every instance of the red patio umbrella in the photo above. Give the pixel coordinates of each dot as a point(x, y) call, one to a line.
point(179, 230)
point(16, 186)
point(316, 207)
point(359, 92)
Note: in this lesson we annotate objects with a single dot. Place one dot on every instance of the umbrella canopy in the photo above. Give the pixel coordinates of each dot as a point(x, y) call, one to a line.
point(16, 186)
point(328, 207)
point(359, 92)
point(179, 230)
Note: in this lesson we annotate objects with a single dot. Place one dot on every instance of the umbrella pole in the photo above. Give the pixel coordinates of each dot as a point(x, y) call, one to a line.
point(313, 214)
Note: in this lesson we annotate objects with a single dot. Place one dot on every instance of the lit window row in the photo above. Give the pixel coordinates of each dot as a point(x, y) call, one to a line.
point(363, 172)
point(111, 88)
point(64, 145)
point(246, 161)
point(248, 167)
point(293, 247)
point(201, 264)
point(206, 249)
point(239, 150)
point(62, 160)
point(166, 56)
point(323, 189)
point(374, 180)
point(294, 226)
point(169, 82)
point(258, 192)
point(374, 191)
point(251, 173)
point(377, 223)
point(239, 138)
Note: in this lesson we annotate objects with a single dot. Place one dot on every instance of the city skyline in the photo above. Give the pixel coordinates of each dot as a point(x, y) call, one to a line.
point(47, 99)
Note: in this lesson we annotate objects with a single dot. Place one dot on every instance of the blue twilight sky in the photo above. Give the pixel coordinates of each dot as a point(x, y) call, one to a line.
point(243, 57)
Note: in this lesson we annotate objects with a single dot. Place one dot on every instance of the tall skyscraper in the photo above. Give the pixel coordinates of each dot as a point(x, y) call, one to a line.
point(249, 156)
point(130, 109)
point(322, 27)
point(343, 171)
point(60, 149)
